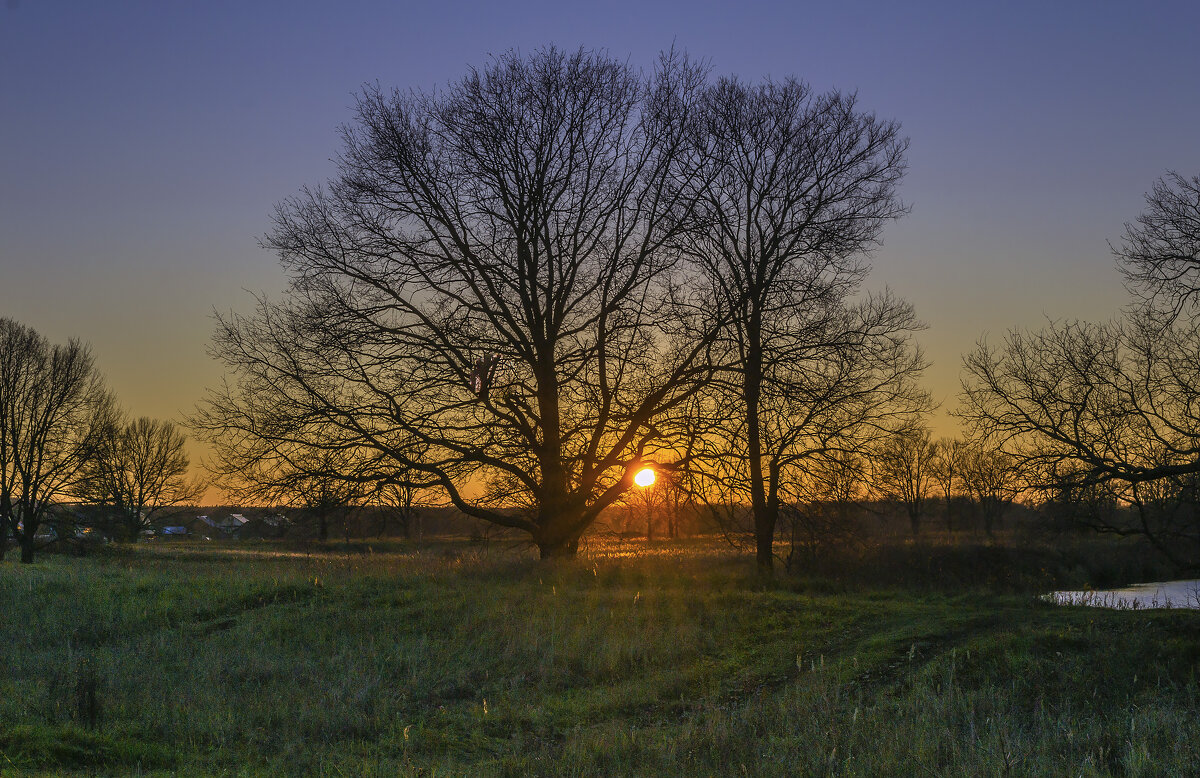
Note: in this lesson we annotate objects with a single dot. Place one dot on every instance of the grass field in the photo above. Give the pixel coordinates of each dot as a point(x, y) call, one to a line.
point(452, 659)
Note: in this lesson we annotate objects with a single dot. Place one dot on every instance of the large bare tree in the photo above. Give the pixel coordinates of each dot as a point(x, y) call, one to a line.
point(1112, 405)
point(794, 192)
point(487, 296)
point(49, 398)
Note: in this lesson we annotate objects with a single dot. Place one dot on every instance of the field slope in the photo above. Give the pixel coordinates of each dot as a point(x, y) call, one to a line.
point(254, 659)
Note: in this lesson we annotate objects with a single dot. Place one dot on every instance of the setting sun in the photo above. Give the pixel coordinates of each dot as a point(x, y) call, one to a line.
point(644, 477)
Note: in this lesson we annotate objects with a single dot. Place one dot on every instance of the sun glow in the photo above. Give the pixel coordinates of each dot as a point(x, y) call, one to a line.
point(644, 477)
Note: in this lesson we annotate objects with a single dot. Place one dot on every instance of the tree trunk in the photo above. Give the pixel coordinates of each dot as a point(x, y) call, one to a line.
point(764, 539)
point(8, 524)
point(554, 540)
point(991, 517)
point(558, 550)
point(26, 547)
point(129, 531)
point(764, 518)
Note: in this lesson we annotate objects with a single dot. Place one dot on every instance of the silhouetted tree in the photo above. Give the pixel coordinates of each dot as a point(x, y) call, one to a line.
point(658, 508)
point(136, 470)
point(993, 479)
point(50, 396)
point(825, 505)
point(523, 221)
point(1082, 404)
point(678, 502)
point(794, 191)
point(902, 469)
point(1101, 401)
point(947, 472)
point(397, 501)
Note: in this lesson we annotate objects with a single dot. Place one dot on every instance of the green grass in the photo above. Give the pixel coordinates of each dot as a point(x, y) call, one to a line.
point(669, 659)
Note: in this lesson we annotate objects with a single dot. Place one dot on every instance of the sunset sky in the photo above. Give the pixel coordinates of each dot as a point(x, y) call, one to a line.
point(143, 145)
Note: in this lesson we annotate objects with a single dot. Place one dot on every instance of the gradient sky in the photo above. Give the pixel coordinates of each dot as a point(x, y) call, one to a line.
point(143, 145)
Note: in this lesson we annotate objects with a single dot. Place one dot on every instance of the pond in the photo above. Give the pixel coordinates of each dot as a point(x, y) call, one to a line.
point(1163, 594)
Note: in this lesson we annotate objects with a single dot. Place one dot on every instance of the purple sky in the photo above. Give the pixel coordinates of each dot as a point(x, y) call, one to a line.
point(143, 144)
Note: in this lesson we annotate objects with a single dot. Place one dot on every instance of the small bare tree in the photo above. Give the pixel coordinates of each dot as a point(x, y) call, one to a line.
point(902, 469)
point(322, 484)
point(659, 508)
point(947, 472)
point(825, 504)
point(993, 479)
point(397, 501)
point(137, 470)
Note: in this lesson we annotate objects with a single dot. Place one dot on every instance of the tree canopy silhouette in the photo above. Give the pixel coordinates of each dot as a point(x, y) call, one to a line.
point(1115, 405)
point(526, 218)
point(794, 192)
point(50, 396)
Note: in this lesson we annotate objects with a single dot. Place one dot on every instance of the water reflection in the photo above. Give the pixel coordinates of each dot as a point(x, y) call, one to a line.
point(1163, 594)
